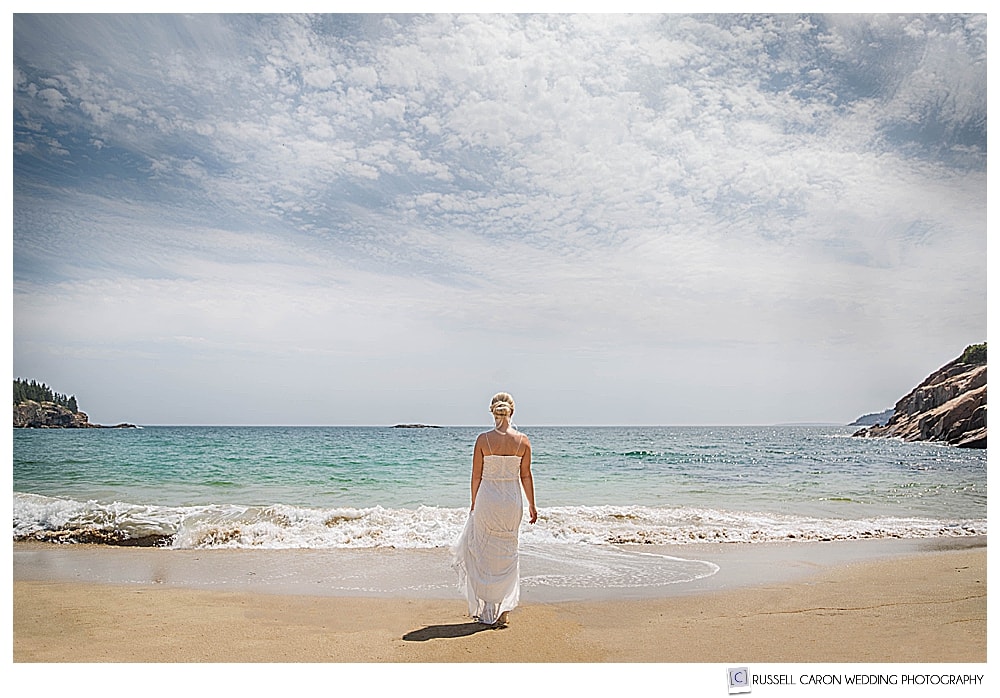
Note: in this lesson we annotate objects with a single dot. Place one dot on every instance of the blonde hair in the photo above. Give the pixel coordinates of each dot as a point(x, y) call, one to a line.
point(502, 405)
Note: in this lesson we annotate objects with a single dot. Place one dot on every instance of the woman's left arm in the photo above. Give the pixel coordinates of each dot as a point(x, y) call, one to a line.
point(528, 483)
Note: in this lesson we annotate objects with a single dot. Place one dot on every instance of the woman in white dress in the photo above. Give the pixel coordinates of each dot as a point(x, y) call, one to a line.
point(486, 552)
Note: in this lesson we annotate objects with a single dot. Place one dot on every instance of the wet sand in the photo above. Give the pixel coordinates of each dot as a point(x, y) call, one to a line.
point(918, 605)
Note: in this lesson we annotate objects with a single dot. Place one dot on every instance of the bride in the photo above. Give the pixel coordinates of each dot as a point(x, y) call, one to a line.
point(486, 552)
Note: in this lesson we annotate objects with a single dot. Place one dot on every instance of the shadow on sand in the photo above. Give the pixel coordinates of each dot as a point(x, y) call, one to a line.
point(443, 631)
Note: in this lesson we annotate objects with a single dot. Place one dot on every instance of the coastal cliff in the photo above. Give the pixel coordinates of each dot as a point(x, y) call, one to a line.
point(48, 415)
point(949, 405)
point(37, 406)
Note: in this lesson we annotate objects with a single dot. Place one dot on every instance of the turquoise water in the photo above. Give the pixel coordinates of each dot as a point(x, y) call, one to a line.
point(320, 487)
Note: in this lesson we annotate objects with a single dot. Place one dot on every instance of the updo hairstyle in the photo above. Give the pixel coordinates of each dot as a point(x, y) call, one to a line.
point(502, 405)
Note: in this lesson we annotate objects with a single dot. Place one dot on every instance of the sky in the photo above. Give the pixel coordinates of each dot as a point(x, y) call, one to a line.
point(373, 219)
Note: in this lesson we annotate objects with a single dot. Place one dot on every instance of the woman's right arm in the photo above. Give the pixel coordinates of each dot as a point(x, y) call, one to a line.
point(477, 470)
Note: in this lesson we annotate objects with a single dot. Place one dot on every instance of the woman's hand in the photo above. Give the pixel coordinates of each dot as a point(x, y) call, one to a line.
point(533, 513)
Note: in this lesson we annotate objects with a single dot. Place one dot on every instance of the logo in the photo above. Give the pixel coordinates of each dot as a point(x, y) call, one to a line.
point(739, 680)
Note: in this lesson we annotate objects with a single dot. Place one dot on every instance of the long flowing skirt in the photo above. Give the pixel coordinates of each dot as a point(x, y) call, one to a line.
point(485, 555)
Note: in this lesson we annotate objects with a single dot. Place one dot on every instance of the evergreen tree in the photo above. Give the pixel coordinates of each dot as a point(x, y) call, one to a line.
point(39, 392)
point(975, 354)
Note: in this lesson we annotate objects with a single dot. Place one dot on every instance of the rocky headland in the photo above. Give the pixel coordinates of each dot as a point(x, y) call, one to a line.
point(948, 406)
point(30, 414)
point(872, 419)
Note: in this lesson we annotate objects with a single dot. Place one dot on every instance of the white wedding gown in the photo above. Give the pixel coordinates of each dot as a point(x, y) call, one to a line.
point(486, 553)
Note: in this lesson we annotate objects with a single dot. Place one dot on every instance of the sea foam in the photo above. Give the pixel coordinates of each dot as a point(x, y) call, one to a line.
point(37, 517)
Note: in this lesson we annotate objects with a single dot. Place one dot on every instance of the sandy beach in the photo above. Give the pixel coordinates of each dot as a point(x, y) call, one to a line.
point(923, 607)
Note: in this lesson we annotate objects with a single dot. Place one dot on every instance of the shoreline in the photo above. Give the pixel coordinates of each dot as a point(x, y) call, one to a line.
point(909, 604)
point(427, 572)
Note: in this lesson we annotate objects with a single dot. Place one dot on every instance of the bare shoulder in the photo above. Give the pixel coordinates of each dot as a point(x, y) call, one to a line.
point(523, 438)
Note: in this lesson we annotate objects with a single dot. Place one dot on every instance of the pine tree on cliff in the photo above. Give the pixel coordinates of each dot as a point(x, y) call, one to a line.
point(974, 354)
point(39, 392)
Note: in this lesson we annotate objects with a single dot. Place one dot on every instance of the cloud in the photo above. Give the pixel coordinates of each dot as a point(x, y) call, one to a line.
point(643, 186)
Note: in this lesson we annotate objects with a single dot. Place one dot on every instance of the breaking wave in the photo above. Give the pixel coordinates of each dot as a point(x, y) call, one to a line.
point(53, 519)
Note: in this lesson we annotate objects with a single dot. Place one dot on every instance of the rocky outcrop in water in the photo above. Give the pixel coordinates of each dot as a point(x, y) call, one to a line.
point(949, 406)
point(48, 415)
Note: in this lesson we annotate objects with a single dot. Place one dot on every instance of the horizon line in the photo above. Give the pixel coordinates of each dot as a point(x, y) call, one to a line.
point(471, 426)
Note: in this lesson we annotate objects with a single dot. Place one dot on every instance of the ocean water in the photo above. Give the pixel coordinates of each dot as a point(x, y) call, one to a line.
point(597, 488)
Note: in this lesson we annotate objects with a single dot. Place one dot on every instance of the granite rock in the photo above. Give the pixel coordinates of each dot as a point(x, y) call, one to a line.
point(48, 415)
point(948, 406)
